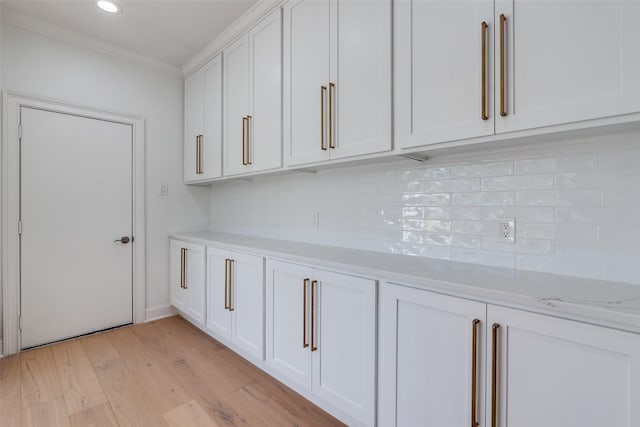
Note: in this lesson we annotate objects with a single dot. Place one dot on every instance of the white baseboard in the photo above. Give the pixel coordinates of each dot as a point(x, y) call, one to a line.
point(159, 312)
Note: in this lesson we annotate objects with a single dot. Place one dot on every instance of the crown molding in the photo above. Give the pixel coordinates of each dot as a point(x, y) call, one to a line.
point(239, 26)
point(29, 23)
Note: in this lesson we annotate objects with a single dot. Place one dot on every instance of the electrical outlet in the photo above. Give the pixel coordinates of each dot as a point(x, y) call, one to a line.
point(507, 230)
point(315, 219)
point(164, 189)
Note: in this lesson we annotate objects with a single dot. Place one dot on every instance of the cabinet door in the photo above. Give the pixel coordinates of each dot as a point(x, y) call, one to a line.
point(567, 61)
point(426, 358)
point(306, 72)
point(194, 282)
point(218, 316)
point(438, 70)
point(559, 373)
point(211, 154)
point(247, 289)
point(236, 102)
point(178, 294)
point(287, 317)
point(265, 65)
point(344, 343)
point(361, 72)
point(193, 122)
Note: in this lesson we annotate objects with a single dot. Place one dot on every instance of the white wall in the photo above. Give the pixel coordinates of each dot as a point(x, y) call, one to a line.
point(35, 65)
point(576, 204)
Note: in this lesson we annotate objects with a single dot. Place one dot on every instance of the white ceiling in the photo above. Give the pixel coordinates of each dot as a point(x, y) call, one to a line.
point(169, 31)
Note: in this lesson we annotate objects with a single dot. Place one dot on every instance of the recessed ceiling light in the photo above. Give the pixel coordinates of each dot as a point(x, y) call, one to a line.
point(108, 6)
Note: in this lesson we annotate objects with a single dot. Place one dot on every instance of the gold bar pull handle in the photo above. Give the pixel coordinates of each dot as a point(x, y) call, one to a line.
point(323, 91)
point(199, 154)
point(485, 115)
point(226, 283)
point(182, 262)
point(305, 283)
point(494, 374)
point(474, 372)
point(231, 262)
point(331, 90)
point(244, 141)
point(183, 273)
point(249, 162)
point(314, 283)
point(503, 70)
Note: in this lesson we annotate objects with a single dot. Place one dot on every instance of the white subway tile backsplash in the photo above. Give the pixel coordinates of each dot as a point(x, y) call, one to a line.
point(577, 208)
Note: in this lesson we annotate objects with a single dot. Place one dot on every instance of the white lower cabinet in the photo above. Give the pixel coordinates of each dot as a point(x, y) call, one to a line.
point(235, 299)
point(321, 335)
point(186, 277)
point(559, 373)
point(549, 372)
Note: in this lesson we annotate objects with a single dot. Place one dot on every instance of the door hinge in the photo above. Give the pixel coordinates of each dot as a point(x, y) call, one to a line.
point(19, 227)
point(20, 322)
point(20, 132)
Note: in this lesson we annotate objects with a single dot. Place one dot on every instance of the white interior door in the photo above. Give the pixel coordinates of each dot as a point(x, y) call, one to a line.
point(76, 203)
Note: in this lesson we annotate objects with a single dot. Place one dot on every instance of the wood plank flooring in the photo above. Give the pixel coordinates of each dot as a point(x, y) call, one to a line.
point(163, 373)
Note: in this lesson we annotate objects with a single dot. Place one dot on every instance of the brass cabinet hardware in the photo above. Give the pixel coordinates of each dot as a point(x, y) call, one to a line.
point(244, 141)
point(494, 374)
point(249, 162)
point(226, 283)
point(331, 89)
point(484, 26)
point(231, 262)
point(323, 91)
point(183, 268)
point(199, 154)
point(314, 283)
point(474, 372)
point(503, 71)
point(305, 283)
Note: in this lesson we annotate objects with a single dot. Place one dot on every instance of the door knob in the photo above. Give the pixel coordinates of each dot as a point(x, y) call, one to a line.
point(123, 239)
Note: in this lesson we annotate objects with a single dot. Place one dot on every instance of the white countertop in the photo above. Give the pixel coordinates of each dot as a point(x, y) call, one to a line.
point(605, 303)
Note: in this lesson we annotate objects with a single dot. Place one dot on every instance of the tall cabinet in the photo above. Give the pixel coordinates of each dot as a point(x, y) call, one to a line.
point(253, 99)
point(203, 123)
point(337, 74)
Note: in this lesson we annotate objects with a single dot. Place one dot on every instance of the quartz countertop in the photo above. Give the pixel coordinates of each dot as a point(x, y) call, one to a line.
point(611, 304)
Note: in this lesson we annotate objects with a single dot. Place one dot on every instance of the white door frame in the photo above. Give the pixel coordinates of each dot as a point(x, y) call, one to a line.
point(12, 103)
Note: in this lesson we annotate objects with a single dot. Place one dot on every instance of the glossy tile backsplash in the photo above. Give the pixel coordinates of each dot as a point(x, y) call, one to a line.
point(576, 204)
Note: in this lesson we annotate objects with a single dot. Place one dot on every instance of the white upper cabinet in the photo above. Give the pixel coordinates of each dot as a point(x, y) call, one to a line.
point(565, 61)
point(337, 74)
point(203, 123)
point(253, 99)
point(557, 373)
point(443, 70)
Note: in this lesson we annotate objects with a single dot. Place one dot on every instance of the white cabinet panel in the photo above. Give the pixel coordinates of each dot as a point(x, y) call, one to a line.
point(203, 123)
point(567, 61)
point(345, 337)
point(187, 279)
point(178, 296)
point(439, 73)
point(361, 72)
point(425, 360)
point(218, 316)
point(306, 59)
point(287, 314)
point(265, 93)
point(558, 373)
point(247, 305)
point(236, 105)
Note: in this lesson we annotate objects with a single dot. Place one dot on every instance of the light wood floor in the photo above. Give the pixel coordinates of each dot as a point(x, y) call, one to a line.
point(162, 373)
